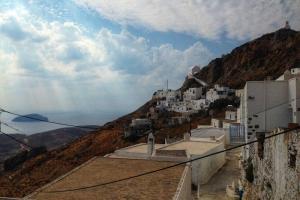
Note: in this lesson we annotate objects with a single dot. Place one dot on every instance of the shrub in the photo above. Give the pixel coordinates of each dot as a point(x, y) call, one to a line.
point(249, 171)
point(14, 161)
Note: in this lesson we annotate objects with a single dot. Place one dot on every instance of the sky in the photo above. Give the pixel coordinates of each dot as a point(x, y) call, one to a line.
point(110, 55)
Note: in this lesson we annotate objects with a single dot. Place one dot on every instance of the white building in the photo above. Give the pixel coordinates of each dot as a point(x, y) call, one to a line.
point(231, 114)
point(288, 74)
point(168, 94)
point(193, 94)
point(216, 122)
point(196, 105)
point(180, 107)
point(218, 92)
point(266, 105)
point(183, 150)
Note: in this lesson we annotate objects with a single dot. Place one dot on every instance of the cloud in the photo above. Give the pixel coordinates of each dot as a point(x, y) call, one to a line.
point(238, 19)
point(61, 66)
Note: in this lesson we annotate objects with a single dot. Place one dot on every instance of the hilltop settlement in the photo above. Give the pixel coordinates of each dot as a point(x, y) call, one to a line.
point(269, 168)
point(249, 149)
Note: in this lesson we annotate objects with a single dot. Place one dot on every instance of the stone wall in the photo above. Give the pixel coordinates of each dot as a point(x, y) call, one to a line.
point(276, 168)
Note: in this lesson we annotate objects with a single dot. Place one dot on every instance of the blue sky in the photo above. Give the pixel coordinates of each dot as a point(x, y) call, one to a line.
point(110, 55)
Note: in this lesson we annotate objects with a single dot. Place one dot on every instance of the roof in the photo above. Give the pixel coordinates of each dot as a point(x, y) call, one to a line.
point(192, 147)
point(140, 148)
point(207, 132)
point(161, 185)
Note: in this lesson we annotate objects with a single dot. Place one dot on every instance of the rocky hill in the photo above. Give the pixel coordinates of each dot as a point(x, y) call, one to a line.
point(268, 55)
point(50, 139)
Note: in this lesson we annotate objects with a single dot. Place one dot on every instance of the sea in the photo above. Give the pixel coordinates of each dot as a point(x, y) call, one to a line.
point(74, 118)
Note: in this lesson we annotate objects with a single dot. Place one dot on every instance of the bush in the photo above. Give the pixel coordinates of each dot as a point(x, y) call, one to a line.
point(14, 161)
point(249, 171)
point(221, 104)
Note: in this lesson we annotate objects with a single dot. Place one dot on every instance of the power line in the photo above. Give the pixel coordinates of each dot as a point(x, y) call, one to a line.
point(46, 121)
point(143, 174)
point(172, 166)
point(17, 140)
point(11, 127)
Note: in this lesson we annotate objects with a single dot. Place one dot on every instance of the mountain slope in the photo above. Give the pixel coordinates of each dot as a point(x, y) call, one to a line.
point(50, 139)
point(270, 54)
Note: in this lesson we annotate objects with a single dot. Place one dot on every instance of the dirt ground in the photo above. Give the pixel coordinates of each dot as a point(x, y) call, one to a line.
point(216, 187)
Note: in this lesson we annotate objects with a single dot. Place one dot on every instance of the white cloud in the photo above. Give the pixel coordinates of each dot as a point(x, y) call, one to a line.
point(238, 19)
point(61, 66)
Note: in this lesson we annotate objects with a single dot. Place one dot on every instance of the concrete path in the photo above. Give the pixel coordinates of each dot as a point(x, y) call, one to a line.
point(216, 187)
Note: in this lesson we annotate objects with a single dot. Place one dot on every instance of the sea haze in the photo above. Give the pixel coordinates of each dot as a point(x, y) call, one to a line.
point(75, 118)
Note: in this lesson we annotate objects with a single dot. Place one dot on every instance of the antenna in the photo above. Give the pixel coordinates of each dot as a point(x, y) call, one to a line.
point(167, 85)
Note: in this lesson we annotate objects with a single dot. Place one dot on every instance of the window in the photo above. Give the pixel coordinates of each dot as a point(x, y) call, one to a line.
point(251, 97)
point(256, 126)
point(298, 109)
point(250, 126)
point(249, 118)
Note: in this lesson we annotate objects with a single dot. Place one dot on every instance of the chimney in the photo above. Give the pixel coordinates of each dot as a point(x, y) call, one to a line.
point(151, 144)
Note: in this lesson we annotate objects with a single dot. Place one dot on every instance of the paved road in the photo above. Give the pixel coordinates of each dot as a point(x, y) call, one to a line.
point(216, 187)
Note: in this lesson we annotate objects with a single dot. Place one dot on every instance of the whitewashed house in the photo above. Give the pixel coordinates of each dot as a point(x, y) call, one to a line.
point(159, 94)
point(218, 92)
point(193, 94)
point(199, 104)
point(230, 113)
point(266, 105)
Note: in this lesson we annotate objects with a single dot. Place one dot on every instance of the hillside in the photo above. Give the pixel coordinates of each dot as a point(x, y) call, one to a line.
point(50, 139)
point(270, 54)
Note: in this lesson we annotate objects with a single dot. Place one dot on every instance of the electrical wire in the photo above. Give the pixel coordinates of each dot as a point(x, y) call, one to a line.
point(11, 127)
point(16, 140)
point(150, 172)
point(171, 166)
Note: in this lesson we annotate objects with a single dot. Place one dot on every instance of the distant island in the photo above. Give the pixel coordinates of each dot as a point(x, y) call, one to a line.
point(26, 118)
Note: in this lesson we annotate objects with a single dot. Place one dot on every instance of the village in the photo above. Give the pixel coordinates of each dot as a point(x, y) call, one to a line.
point(266, 169)
point(150, 100)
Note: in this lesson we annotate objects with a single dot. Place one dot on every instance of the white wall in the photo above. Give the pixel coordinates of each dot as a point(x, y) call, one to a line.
point(204, 169)
point(230, 115)
point(193, 94)
point(271, 96)
point(217, 123)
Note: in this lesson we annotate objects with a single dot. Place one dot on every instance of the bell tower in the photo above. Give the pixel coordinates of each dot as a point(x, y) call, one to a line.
point(287, 25)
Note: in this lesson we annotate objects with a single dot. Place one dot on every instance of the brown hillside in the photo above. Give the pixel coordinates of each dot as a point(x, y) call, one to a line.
point(269, 55)
point(38, 171)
